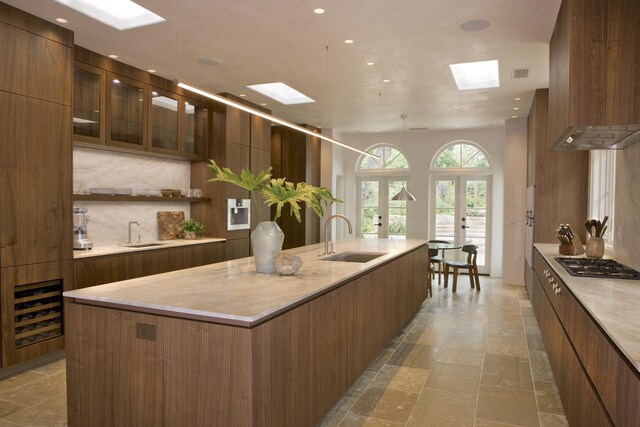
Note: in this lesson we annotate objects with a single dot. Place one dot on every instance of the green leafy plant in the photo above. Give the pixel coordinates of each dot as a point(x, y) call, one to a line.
point(276, 192)
point(191, 225)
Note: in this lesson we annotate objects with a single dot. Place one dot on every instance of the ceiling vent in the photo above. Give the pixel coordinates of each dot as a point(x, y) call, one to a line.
point(519, 73)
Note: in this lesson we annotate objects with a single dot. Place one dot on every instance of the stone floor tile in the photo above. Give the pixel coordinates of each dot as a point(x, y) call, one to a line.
point(506, 346)
point(456, 378)
point(385, 404)
point(339, 411)
point(381, 359)
point(507, 330)
point(414, 356)
point(540, 367)
point(51, 412)
point(506, 371)
point(441, 408)
point(19, 380)
point(509, 406)
point(552, 420)
point(8, 408)
point(5, 423)
point(460, 354)
point(548, 397)
point(534, 342)
point(486, 423)
point(401, 378)
point(52, 368)
point(36, 391)
point(361, 384)
point(354, 420)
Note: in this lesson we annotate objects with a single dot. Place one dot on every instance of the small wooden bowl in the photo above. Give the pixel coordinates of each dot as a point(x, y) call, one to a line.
point(166, 192)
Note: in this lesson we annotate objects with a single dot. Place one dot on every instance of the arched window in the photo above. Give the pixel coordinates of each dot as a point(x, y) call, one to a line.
point(460, 154)
point(389, 158)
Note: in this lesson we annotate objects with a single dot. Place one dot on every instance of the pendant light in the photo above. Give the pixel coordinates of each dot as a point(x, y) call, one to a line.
point(403, 194)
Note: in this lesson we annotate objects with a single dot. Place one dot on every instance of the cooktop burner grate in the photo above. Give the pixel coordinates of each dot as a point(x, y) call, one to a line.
point(597, 267)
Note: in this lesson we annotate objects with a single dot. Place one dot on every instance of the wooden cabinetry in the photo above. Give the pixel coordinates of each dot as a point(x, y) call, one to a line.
point(597, 383)
point(119, 107)
point(594, 74)
point(296, 156)
point(98, 270)
point(560, 178)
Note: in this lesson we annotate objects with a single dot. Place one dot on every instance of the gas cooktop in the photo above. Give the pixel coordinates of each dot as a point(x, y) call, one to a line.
point(597, 267)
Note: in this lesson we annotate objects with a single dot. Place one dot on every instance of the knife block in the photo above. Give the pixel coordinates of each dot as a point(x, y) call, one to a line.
point(575, 248)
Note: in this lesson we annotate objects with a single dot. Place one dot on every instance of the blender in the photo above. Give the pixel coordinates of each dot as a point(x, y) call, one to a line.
point(80, 219)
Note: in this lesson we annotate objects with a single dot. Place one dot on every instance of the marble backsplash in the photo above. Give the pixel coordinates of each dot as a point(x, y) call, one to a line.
point(627, 207)
point(108, 221)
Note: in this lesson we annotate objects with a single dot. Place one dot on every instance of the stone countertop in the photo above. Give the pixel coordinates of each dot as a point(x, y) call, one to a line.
point(613, 303)
point(121, 249)
point(233, 293)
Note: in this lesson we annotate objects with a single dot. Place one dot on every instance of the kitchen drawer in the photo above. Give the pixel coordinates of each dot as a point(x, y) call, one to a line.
point(555, 288)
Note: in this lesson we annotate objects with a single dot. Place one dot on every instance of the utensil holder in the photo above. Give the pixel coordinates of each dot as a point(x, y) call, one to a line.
point(595, 247)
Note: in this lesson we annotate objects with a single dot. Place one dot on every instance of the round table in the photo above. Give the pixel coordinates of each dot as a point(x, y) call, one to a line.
point(441, 247)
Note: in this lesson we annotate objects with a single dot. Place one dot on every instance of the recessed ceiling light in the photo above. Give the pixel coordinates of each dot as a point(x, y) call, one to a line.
point(318, 11)
point(264, 104)
point(371, 63)
point(516, 99)
point(120, 14)
point(386, 81)
point(475, 25)
point(476, 75)
point(208, 61)
point(243, 95)
point(282, 93)
point(112, 56)
point(516, 108)
point(348, 41)
point(116, 81)
point(514, 117)
point(154, 93)
point(151, 70)
point(62, 20)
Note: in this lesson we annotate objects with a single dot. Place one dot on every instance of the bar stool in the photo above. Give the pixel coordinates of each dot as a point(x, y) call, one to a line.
point(472, 253)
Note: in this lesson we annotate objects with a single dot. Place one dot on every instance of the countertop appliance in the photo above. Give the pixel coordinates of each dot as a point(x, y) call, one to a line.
point(238, 214)
point(597, 267)
point(80, 220)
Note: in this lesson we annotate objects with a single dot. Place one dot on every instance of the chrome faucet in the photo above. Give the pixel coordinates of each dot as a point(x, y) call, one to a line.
point(326, 232)
point(130, 224)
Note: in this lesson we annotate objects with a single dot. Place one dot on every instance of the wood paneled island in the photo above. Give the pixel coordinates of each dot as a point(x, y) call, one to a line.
point(221, 345)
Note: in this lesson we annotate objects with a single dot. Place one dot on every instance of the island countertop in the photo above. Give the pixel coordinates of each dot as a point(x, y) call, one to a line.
point(613, 303)
point(157, 244)
point(233, 293)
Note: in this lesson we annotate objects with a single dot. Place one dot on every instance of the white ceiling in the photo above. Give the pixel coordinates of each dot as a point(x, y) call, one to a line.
point(412, 42)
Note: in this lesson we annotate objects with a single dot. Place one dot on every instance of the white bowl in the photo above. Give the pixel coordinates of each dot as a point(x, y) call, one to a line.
point(154, 193)
point(141, 191)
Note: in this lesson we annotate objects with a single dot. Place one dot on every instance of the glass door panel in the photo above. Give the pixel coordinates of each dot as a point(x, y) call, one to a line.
point(87, 104)
point(476, 216)
point(369, 208)
point(126, 113)
point(164, 122)
point(397, 223)
point(445, 209)
point(195, 128)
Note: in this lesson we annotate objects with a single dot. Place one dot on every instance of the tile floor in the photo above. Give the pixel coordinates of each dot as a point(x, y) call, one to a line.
point(466, 359)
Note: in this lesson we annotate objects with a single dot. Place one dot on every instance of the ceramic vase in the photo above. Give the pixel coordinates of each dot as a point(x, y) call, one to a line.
point(266, 242)
point(594, 247)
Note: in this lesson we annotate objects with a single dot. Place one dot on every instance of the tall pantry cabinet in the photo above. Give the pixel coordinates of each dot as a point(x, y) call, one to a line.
point(36, 255)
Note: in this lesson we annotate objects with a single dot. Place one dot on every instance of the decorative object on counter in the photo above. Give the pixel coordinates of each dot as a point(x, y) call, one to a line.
point(170, 192)
point(595, 242)
point(169, 225)
point(287, 264)
point(194, 192)
point(192, 229)
point(278, 193)
point(570, 243)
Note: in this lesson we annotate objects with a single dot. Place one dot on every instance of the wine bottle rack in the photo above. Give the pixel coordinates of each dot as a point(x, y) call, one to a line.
point(38, 312)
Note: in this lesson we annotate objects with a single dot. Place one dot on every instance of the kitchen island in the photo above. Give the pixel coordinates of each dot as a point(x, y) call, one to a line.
point(223, 345)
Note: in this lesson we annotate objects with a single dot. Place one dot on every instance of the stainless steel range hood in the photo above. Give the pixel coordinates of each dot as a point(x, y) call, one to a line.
point(606, 137)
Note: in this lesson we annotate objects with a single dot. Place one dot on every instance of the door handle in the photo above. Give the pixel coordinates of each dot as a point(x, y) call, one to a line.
point(378, 224)
point(463, 227)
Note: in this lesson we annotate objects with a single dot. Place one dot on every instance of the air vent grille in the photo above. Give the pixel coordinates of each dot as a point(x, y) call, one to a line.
point(520, 73)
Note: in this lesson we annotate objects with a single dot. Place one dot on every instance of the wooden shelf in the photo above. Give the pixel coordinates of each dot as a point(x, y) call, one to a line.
point(115, 198)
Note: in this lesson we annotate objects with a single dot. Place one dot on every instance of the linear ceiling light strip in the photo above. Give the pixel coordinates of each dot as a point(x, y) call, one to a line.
point(267, 116)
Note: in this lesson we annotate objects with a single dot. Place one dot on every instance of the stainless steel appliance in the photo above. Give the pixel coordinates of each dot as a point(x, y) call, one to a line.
point(238, 214)
point(80, 219)
point(597, 267)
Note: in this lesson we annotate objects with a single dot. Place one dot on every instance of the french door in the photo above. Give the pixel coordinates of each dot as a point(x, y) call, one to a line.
point(461, 213)
point(379, 216)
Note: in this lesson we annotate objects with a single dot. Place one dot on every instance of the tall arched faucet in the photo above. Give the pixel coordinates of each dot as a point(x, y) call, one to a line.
point(326, 231)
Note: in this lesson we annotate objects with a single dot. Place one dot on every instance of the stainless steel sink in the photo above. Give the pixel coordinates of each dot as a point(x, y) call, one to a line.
point(142, 245)
point(354, 256)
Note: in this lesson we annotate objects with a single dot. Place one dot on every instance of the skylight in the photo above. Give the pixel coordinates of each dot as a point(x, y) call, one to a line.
point(476, 75)
point(282, 93)
point(120, 14)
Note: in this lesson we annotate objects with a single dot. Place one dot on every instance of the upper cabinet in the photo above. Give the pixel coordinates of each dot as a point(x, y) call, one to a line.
point(594, 75)
point(140, 114)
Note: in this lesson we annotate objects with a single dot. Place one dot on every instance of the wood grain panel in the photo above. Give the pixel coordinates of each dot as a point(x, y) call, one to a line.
point(10, 277)
point(260, 133)
point(238, 157)
point(38, 26)
point(35, 175)
point(35, 66)
point(237, 248)
point(112, 268)
point(238, 127)
point(561, 178)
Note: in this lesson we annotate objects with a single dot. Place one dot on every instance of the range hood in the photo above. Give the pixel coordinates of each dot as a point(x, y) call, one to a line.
point(605, 137)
